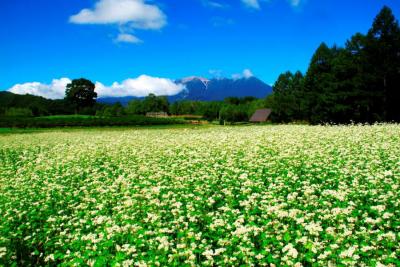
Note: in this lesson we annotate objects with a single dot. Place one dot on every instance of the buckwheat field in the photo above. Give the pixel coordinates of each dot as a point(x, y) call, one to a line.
point(203, 196)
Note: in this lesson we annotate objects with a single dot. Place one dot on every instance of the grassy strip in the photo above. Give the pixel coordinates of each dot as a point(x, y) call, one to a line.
point(83, 121)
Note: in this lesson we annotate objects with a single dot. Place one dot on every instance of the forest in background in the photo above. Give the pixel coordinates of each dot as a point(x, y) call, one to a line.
point(359, 82)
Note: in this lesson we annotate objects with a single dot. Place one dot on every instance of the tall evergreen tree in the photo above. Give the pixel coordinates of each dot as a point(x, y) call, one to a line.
point(319, 85)
point(352, 73)
point(383, 55)
point(360, 82)
point(287, 104)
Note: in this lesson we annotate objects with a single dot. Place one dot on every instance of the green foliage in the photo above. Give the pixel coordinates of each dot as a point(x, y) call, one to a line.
point(239, 101)
point(287, 97)
point(359, 82)
point(383, 56)
point(80, 93)
point(116, 110)
point(38, 105)
point(233, 113)
point(186, 107)
point(135, 107)
point(19, 112)
point(211, 110)
point(255, 105)
point(232, 109)
point(236, 109)
point(319, 84)
point(151, 103)
point(83, 121)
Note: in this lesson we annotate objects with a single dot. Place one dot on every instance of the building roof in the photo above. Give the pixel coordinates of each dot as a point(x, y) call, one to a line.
point(157, 114)
point(261, 115)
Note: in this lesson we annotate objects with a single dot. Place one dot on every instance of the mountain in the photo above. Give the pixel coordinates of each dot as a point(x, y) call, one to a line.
point(112, 100)
point(202, 89)
point(218, 89)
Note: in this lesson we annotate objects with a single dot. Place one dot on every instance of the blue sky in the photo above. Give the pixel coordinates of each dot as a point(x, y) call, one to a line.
point(42, 40)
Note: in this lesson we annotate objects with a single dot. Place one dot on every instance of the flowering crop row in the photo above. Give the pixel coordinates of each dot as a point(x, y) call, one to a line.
point(214, 196)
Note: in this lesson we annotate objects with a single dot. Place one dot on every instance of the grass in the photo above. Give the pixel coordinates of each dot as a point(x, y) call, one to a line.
point(84, 121)
point(69, 116)
point(11, 131)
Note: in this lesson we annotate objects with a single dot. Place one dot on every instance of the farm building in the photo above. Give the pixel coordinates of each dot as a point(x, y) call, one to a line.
point(157, 114)
point(261, 115)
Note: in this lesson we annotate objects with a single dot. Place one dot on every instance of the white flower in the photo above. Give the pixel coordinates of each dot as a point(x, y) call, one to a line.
point(49, 258)
point(208, 254)
point(3, 251)
point(314, 228)
point(348, 253)
point(127, 263)
point(291, 251)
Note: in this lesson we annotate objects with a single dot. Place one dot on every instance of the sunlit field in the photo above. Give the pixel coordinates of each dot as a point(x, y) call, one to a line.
point(212, 196)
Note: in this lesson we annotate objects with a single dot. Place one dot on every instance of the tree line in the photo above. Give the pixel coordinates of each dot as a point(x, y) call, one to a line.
point(359, 82)
point(232, 109)
point(81, 99)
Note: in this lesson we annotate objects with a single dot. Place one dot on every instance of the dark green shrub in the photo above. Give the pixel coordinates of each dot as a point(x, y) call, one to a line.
point(19, 112)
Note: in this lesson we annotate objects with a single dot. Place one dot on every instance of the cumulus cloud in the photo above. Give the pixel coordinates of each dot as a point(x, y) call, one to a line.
point(127, 14)
point(139, 87)
point(134, 12)
point(127, 38)
point(252, 3)
point(54, 90)
point(246, 73)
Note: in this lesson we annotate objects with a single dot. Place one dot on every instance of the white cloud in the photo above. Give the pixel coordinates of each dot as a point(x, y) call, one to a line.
point(246, 73)
point(140, 86)
point(127, 38)
point(55, 90)
point(129, 15)
point(136, 13)
point(252, 3)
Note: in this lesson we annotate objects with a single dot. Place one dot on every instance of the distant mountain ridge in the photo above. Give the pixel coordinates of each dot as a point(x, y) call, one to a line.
point(202, 89)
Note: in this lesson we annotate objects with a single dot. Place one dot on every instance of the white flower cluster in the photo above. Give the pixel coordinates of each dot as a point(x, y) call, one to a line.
point(208, 196)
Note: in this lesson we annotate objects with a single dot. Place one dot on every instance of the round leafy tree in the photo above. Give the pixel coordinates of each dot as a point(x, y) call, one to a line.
point(80, 92)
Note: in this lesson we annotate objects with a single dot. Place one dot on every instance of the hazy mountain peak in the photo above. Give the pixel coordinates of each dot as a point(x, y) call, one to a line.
point(191, 78)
